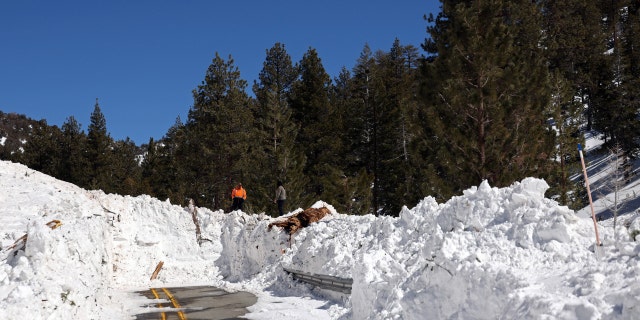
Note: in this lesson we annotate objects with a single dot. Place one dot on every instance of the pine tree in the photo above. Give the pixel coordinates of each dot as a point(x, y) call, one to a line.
point(217, 139)
point(360, 129)
point(275, 157)
point(150, 175)
point(74, 164)
point(627, 129)
point(397, 105)
point(355, 196)
point(385, 130)
point(169, 169)
point(125, 168)
point(615, 100)
point(565, 111)
point(573, 41)
point(488, 91)
point(319, 134)
point(99, 153)
point(43, 151)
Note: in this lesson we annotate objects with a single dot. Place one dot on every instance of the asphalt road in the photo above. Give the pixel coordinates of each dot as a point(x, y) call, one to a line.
point(196, 303)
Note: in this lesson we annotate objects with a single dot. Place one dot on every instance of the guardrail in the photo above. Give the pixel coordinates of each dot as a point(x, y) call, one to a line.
point(323, 281)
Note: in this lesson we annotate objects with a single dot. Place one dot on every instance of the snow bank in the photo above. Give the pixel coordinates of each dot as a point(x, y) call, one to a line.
point(105, 245)
point(490, 253)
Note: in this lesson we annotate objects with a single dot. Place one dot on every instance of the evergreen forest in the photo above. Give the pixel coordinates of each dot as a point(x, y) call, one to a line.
point(499, 90)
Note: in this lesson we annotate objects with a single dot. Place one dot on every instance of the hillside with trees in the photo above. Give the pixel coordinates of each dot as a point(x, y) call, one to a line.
point(499, 91)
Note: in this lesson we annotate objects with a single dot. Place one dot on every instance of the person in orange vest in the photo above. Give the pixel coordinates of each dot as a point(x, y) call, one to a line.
point(238, 195)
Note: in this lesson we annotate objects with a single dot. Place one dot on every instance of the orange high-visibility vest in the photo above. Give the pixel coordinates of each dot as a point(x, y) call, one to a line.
point(239, 193)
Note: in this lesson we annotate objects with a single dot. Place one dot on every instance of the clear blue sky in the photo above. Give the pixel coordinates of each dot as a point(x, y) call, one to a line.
point(142, 59)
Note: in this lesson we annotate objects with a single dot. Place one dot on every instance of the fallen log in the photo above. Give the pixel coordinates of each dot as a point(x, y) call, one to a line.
point(300, 220)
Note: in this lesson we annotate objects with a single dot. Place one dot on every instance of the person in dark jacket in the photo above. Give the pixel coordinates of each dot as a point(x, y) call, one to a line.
point(281, 197)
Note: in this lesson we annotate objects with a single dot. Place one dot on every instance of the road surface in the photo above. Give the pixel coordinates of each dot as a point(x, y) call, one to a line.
point(195, 303)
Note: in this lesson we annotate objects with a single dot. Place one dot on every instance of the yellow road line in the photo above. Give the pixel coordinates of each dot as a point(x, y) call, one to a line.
point(155, 294)
point(175, 304)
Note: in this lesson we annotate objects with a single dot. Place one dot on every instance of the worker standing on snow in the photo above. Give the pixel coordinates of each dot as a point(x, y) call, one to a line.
point(281, 196)
point(238, 195)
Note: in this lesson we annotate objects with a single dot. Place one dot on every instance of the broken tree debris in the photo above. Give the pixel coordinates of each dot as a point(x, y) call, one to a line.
point(53, 224)
point(300, 220)
point(157, 270)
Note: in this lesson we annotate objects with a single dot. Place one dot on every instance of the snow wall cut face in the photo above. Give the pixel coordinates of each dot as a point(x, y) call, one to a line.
point(490, 253)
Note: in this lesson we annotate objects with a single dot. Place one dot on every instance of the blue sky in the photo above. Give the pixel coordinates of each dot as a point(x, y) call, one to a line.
point(142, 59)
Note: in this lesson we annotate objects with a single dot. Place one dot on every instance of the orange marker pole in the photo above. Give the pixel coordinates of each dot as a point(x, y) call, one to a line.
point(586, 181)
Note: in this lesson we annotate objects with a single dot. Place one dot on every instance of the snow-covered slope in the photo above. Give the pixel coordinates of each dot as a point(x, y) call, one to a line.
point(104, 243)
point(490, 253)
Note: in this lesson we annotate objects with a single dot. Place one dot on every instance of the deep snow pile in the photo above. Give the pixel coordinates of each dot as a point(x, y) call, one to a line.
point(105, 242)
point(491, 253)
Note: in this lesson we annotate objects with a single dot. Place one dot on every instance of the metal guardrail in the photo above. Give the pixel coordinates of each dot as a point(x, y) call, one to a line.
point(323, 281)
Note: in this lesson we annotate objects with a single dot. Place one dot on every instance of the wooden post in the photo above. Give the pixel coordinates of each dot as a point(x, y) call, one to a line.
point(586, 181)
point(155, 272)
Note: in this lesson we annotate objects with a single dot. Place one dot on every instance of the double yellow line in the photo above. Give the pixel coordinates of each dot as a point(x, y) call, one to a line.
point(174, 302)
